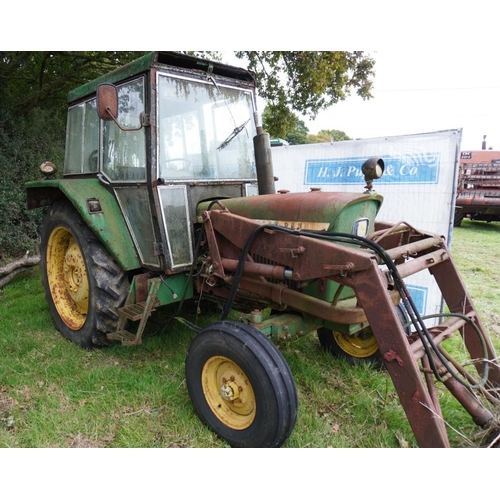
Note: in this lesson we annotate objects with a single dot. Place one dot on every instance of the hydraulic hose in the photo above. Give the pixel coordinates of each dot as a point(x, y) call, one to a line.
point(416, 319)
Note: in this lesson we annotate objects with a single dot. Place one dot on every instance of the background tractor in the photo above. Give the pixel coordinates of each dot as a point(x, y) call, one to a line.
point(168, 196)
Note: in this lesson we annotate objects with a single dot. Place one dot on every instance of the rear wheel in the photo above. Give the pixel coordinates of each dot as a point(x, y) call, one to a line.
point(83, 285)
point(459, 217)
point(241, 386)
point(362, 348)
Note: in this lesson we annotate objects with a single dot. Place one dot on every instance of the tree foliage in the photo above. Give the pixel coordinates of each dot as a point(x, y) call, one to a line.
point(43, 79)
point(308, 82)
point(296, 132)
point(280, 121)
point(26, 141)
point(299, 135)
point(331, 135)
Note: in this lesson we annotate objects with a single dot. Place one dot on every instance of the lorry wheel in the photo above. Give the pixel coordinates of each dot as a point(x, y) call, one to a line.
point(360, 349)
point(83, 285)
point(241, 386)
point(459, 217)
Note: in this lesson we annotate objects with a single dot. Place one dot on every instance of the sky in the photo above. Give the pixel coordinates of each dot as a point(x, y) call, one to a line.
point(417, 91)
point(423, 89)
point(437, 62)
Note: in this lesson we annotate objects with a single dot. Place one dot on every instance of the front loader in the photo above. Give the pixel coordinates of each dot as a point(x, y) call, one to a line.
point(168, 196)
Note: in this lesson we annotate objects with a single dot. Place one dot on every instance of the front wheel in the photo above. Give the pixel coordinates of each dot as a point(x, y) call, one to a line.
point(362, 348)
point(241, 386)
point(83, 284)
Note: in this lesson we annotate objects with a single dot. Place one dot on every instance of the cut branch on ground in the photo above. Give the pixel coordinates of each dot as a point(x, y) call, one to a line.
point(9, 271)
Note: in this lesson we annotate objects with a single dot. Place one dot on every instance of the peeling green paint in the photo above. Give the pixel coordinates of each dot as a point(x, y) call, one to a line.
point(108, 224)
point(133, 68)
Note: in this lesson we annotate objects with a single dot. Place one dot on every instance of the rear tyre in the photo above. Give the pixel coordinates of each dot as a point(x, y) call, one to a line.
point(459, 217)
point(241, 386)
point(362, 349)
point(84, 286)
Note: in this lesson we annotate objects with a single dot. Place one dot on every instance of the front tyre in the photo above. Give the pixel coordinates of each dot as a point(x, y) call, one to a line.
point(360, 349)
point(83, 284)
point(241, 386)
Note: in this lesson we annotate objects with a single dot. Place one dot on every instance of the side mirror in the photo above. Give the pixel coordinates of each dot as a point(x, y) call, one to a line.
point(107, 107)
point(107, 101)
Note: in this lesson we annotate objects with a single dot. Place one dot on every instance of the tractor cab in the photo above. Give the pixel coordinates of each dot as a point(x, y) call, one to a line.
point(161, 135)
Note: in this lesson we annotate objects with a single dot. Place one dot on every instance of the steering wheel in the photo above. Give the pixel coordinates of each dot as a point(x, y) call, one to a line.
point(185, 160)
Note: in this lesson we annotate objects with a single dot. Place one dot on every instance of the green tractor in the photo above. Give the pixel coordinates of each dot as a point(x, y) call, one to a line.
point(168, 196)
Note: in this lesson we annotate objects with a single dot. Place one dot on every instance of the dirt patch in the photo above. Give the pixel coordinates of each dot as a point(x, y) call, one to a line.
point(6, 406)
point(80, 441)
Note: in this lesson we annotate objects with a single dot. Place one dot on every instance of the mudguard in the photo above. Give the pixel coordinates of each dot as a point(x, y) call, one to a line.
point(99, 210)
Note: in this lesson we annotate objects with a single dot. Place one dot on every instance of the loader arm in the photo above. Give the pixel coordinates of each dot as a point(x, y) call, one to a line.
point(374, 269)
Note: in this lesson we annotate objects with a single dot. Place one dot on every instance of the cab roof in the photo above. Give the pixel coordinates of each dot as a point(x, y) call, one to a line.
point(172, 60)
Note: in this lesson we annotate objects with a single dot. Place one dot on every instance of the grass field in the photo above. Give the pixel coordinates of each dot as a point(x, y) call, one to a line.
point(56, 395)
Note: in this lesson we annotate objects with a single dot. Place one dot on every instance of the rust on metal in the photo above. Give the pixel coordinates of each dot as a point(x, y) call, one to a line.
point(285, 262)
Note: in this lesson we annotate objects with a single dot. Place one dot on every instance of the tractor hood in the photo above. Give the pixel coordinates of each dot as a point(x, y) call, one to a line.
point(315, 210)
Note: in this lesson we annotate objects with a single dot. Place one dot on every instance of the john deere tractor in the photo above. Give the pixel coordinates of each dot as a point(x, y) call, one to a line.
point(168, 196)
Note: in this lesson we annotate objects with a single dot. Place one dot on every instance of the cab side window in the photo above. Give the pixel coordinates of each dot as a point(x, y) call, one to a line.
point(124, 152)
point(82, 139)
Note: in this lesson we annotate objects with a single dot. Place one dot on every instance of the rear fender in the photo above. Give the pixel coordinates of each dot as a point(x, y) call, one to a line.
point(98, 208)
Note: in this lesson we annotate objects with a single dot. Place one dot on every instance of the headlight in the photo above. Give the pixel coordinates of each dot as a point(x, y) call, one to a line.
point(373, 168)
point(360, 227)
point(47, 168)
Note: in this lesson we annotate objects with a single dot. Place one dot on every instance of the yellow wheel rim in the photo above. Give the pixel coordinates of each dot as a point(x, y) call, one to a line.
point(67, 278)
point(228, 392)
point(357, 347)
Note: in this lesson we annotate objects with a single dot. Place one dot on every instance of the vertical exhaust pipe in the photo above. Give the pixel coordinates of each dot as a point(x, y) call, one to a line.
point(264, 162)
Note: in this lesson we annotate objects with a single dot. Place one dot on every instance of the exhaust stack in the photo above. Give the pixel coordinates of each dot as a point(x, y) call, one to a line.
point(264, 162)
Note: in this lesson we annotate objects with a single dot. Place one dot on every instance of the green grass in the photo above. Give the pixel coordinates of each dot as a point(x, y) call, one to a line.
point(54, 394)
point(476, 251)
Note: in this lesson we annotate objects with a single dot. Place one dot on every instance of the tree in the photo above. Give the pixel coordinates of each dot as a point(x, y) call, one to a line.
point(328, 136)
point(301, 81)
point(279, 121)
point(43, 79)
point(299, 135)
point(307, 82)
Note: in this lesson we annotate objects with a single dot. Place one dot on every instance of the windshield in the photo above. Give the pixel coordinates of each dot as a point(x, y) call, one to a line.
point(205, 131)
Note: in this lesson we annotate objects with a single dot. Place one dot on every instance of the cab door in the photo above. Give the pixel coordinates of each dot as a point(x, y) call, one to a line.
point(123, 167)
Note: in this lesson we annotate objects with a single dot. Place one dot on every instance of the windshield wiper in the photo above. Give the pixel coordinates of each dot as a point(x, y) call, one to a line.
point(232, 135)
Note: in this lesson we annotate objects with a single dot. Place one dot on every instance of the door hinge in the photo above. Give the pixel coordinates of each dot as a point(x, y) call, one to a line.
point(145, 119)
point(158, 248)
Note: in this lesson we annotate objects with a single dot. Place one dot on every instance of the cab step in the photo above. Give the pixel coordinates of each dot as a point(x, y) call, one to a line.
point(133, 312)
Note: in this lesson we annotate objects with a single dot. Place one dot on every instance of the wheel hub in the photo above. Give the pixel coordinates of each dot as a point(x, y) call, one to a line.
point(229, 391)
point(75, 276)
